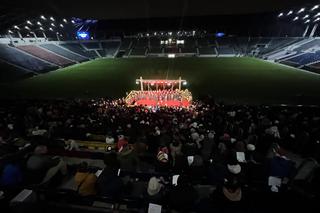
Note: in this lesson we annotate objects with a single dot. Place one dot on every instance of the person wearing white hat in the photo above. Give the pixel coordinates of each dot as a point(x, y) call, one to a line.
point(234, 169)
point(154, 186)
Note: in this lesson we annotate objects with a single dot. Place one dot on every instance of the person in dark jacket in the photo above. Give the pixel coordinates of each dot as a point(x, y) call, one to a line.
point(182, 197)
point(109, 184)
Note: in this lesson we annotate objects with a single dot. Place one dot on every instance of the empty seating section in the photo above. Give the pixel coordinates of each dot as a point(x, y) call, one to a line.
point(172, 50)
point(110, 47)
point(138, 51)
point(45, 55)
point(19, 58)
point(76, 47)
point(206, 51)
point(9, 72)
point(226, 46)
point(309, 45)
point(63, 52)
point(91, 45)
point(189, 46)
point(303, 59)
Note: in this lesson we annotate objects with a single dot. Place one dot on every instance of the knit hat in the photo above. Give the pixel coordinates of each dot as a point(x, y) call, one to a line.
point(154, 186)
point(251, 147)
point(234, 169)
point(162, 155)
point(41, 149)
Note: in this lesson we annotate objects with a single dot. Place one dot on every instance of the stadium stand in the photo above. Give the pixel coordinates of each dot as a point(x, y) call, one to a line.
point(110, 47)
point(77, 48)
point(138, 51)
point(11, 73)
point(92, 45)
point(26, 61)
point(303, 59)
point(45, 55)
point(63, 52)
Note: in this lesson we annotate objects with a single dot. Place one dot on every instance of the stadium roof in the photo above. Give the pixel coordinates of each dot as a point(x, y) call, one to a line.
point(131, 9)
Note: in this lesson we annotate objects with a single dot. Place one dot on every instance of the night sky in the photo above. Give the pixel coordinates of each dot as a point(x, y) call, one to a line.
point(128, 9)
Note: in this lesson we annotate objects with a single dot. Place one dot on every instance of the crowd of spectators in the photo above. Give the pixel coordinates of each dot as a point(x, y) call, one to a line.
point(239, 151)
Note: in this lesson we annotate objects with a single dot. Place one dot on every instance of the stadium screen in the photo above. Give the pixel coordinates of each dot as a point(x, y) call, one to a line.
point(220, 34)
point(82, 35)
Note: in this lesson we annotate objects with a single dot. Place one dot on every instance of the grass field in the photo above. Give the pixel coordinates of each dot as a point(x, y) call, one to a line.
point(244, 80)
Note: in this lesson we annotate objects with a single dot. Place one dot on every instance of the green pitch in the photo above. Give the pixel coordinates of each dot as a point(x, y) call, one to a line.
point(229, 79)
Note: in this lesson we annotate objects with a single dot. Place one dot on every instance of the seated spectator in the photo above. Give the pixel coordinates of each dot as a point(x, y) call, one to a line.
point(43, 167)
point(85, 180)
point(182, 197)
point(11, 175)
point(109, 184)
point(155, 191)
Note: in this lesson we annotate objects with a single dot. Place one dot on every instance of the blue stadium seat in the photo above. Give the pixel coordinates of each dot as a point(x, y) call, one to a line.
point(24, 60)
point(63, 52)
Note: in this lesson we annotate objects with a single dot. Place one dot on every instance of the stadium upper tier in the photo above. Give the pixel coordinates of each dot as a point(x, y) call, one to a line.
point(42, 55)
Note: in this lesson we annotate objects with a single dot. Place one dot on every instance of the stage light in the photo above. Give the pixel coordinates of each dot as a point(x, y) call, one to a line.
point(43, 18)
point(301, 10)
point(39, 23)
point(155, 33)
point(52, 19)
point(73, 22)
point(16, 27)
point(170, 33)
point(318, 14)
point(9, 31)
point(289, 13)
point(184, 83)
point(137, 82)
point(61, 25)
point(296, 18)
point(52, 24)
point(65, 20)
point(50, 29)
point(305, 17)
point(280, 15)
point(41, 28)
point(315, 7)
point(27, 28)
point(307, 21)
point(29, 22)
point(317, 19)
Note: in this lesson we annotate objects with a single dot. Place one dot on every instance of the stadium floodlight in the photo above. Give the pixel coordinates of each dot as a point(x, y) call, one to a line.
point(65, 20)
point(315, 7)
point(305, 17)
point(16, 27)
point(307, 21)
point(61, 25)
point(73, 22)
point(301, 10)
point(9, 31)
point(53, 25)
point(41, 28)
point(43, 18)
point(27, 28)
point(280, 15)
point(316, 15)
point(39, 23)
point(29, 22)
point(289, 13)
point(296, 18)
point(317, 19)
point(52, 19)
point(50, 29)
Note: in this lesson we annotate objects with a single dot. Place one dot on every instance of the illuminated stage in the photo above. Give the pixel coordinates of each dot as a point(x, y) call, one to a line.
point(161, 93)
